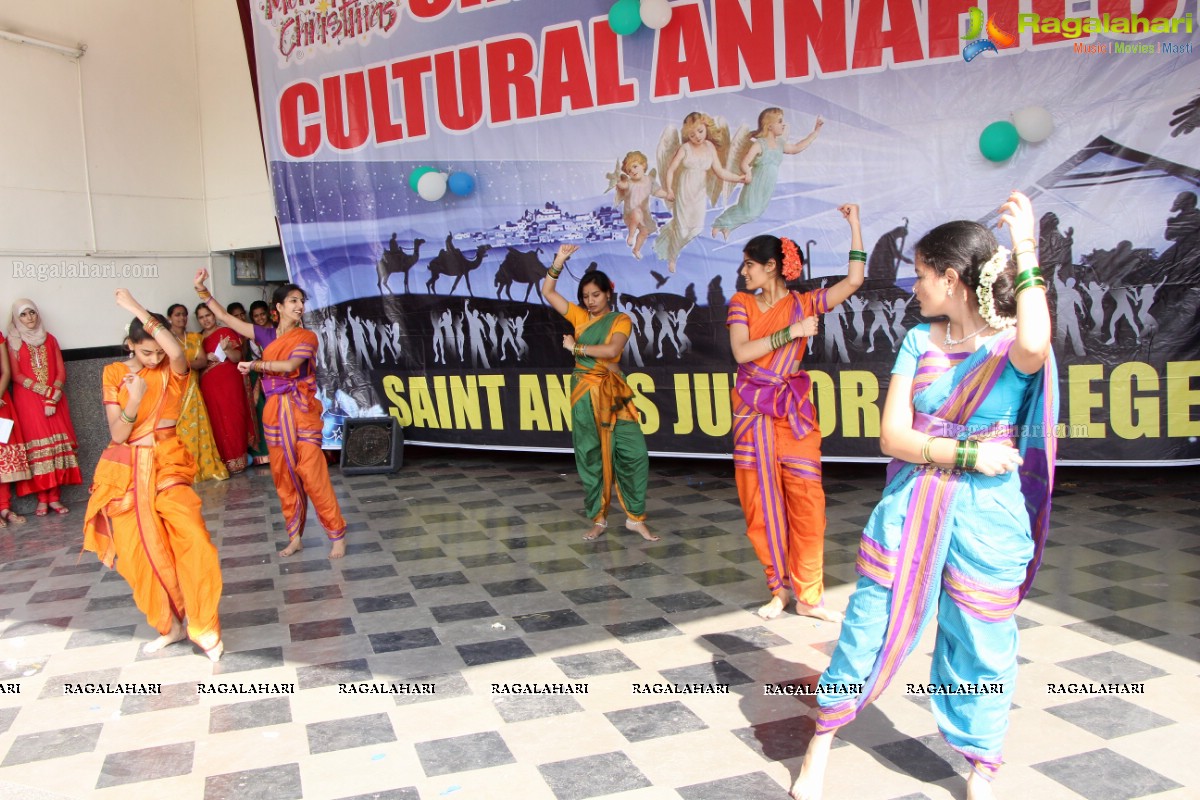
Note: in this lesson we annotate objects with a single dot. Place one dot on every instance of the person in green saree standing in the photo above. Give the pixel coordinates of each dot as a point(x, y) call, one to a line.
point(607, 434)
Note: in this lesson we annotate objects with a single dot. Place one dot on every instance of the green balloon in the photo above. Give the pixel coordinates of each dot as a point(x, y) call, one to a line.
point(415, 176)
point(999, 141)
point(624, 17)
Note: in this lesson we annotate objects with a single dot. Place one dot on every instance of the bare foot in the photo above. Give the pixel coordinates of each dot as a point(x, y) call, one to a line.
point(811, 780)
point(177, 633)
point(639, 527)
point(337, 549)
point(293, 547)
point(819, 612)
point(215, 652)
point(597, 531)
point(774, 608)
point(670, 266)
point(979, 787)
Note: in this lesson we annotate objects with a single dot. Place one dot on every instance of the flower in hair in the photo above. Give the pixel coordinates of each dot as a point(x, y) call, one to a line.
point(792, 261)
point(987, 278)
point(127, 324)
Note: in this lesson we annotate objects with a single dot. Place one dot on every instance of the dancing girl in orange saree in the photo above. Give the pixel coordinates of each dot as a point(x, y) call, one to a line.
point(292, 416)
point(776, 439)
point(143, 512)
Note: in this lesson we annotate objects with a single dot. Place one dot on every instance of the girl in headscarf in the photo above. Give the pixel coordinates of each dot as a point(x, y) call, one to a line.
point(38, 377)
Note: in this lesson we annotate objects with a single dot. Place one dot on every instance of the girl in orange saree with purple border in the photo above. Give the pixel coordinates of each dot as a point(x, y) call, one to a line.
point(776, 438)
point(143, 512)
point(292, 415)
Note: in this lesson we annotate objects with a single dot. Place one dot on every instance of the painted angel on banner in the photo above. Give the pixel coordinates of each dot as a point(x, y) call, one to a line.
point(758, 155)
point(696, 174)
point(634, 187)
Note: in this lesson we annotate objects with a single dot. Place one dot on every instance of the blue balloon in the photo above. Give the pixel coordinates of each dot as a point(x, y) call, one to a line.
point(461, 183)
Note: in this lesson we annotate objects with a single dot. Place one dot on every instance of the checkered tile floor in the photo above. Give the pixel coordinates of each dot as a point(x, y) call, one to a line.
point(466, 571)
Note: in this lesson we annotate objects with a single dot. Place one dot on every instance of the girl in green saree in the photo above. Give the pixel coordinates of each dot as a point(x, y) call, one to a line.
point(609, 446)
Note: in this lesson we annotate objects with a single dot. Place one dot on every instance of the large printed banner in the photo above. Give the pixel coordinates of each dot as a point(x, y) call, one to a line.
point(559, 130)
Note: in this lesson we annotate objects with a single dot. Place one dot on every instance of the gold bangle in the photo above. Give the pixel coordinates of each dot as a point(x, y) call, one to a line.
point(925, 454)
point(126, 418)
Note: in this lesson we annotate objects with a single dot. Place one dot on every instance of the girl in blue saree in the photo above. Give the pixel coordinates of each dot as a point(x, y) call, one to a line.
point(969, 422)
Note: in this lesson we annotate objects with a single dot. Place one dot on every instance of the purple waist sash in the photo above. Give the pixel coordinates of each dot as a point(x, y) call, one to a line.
point(780, 396)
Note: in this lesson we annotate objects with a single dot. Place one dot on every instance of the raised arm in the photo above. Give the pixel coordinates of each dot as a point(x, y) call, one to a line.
point(1032, 345)
point(550, 283)
point(857, 268)
point(161, 333)
point(243, 328)
point(792, 149)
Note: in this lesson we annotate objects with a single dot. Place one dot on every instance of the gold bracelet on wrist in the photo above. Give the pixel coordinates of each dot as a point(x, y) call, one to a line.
point(925, 454)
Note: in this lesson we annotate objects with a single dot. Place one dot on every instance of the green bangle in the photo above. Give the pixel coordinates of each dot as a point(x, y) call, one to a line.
point(972, 454)
point(553, 272)
point(858, 255)
point(126, 417)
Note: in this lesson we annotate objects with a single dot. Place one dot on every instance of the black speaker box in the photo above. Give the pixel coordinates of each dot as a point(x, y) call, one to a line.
point(372, 445)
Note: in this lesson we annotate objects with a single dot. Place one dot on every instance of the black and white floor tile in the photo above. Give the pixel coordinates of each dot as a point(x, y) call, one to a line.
point(466, 577)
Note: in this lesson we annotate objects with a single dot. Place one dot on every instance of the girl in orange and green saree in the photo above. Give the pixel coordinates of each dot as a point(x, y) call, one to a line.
point(610, 449)
point(143, 512)
point(292, 415)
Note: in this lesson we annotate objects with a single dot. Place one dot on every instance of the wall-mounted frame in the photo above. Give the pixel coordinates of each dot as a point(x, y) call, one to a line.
point(248, 268)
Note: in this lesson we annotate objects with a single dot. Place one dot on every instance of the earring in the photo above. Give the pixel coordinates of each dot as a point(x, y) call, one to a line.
point(949, 292)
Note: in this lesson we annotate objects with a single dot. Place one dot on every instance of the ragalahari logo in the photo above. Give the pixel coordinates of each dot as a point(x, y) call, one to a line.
point(995, 37)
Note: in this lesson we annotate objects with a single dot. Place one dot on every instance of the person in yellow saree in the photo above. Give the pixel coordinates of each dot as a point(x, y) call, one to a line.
point(605, 429)
point(957, 537)
point(143, 512)
point(193, 427)
point(292, 415)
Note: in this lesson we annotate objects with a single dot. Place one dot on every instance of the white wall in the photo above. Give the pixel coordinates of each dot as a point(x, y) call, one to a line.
point(241, 211)
point(132, 165)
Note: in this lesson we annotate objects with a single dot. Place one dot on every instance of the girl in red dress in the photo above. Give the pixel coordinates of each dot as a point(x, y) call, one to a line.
point(38, 378)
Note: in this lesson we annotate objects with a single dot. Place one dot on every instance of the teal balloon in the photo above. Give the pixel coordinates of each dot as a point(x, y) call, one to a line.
point(624, 17)
point(461, 183)
point(999, 141)
point(414, 177)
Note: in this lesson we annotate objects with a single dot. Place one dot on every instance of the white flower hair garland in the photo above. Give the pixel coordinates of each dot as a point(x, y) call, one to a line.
point(987, 277)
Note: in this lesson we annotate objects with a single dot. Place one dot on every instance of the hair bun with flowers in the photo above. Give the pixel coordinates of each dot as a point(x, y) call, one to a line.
point(793, 262)
point(987, 278)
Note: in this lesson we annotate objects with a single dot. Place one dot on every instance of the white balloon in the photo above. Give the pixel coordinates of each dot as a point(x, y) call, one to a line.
point(1034, 123)
point(432, 186)
point(655, 13)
